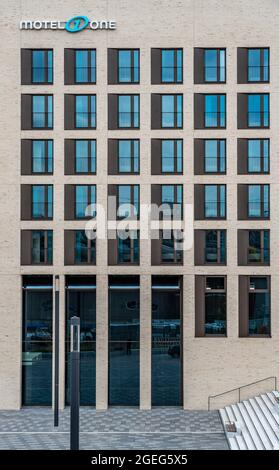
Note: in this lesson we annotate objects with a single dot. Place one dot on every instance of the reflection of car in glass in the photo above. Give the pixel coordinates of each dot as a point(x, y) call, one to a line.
point(40, 333)
point(174, 351)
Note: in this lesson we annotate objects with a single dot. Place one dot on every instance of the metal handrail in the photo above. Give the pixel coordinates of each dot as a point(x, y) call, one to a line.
point(241, 387)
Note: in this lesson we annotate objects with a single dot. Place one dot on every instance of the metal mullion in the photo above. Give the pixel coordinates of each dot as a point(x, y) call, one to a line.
point(132, 110)
point(45, 246)
point(132, 155)
point(175, 111)
point(89, 66)
point(89, 155)
point(46, 157)
point(132, 63)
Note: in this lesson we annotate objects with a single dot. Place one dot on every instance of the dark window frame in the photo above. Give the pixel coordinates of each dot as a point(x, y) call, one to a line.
point(89, 157)
point(45, 112)
point(261, 112)
point(260, 217)
point(132, 251)
point(46, 67)
point(218, 49)
point(131, 202)
point(218, 262)
point(175, 186)
point(218, 172)
point(261, 262)
point(132, 81)
point(132, 157)
point(261, 64)
point(89, 202)
point(132, 112)
point(46, 202)
point(217, 217)
point(89, 68)
point(89, 113)
point(262, 140)
point(268, 291)
point(46, 260)
point(46, 159)
point(90, 247)
point(175, 67)
point(218, 112)
point(175, 172)
point(176, 252)
point(215, 291)
point(174, 112)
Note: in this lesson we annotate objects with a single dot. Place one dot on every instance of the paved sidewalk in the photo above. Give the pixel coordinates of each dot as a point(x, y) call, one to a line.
point(117, 428)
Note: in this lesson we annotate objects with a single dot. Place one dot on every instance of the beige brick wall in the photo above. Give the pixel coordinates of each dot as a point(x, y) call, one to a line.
point(211, 365)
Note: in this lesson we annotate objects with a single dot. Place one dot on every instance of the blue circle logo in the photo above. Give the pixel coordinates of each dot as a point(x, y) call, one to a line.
point(77, 23)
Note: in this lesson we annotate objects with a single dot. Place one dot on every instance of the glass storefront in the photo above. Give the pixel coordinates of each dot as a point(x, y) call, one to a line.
point(124, 331)
point(37, 341)
point(166, 341)
point(81, 302)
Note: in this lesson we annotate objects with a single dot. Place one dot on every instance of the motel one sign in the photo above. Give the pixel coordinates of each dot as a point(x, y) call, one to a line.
point(73, 25)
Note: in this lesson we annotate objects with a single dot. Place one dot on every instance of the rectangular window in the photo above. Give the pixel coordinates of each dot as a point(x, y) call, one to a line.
point(42, 202)
point(166, 313)
point(128, 247)
point(215, 111)
point(127, 201)
point(80, 299)
point(42, 66)
point(171, 247)
point(215, 156)
point(172, 196)
point(85, 248)
point(172, 113)
point(85, 66)
point(85, 111)
point(171, 65)
point(258, 110)
point(85, 196)
point(259, 306)
point(37, 341)
point(258, 249)
point(215, 247)
point(258, 155)
point(128, 156)
point(85, 153)
point(124, 336)
point(42, 156)
point(215, 306)
point(258, 201)
point(215, 201)
point(128, 111)
point(41, 247)
point(42, 114)
point(258, 65)
point(171, 152)
point(128, 65)
point(214, 65)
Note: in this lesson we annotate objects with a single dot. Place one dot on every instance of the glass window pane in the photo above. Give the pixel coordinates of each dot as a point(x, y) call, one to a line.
point(254, 65)
point(81, 200)
point(210, 196)
point(125, 148)
point(38, 201)
point(259, 313)
point(38, 112)
point(168, 165)
point(168, 71)
point(82, 156)
point(40, 71)
point(81, 247)
point(38, 156)
point(82, 66)
point(210, 60)
point(215, 313)
point(124, 111)
point(222, 190)
point(211, 111)
point(125, 66)
point(222, 71)
point(211, 152)
point(266, 65)
point(168, 116)
point(124, 327)
point(254, 111)
point(254, 200)
point(166, 357)
point(211, 246)
point(82, 111)
point(254, 155)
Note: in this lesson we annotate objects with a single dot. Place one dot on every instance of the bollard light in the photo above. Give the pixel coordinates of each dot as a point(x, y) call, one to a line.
point(75, 392)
